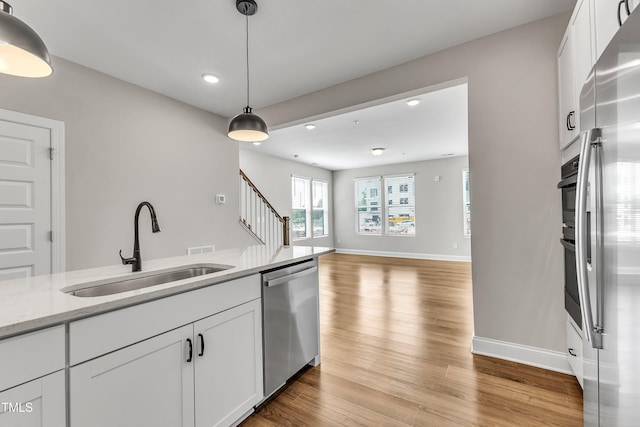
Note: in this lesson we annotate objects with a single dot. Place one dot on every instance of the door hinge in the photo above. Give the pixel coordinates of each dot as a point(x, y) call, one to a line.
point(51, 150)
point(51, 236)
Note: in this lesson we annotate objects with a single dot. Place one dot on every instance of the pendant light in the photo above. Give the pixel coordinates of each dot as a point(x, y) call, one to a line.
point(22, 51)
point(246, 126)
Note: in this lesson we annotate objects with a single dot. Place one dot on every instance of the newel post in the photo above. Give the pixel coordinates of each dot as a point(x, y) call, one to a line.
point(285, 230)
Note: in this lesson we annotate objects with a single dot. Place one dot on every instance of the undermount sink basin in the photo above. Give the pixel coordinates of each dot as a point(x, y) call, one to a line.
point(98, 289)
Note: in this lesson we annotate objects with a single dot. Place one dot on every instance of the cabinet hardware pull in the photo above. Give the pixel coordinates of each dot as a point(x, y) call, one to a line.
point(572, 352)
point(626, 6)
point(190, 358)
point(201, 345)
point(570, 126)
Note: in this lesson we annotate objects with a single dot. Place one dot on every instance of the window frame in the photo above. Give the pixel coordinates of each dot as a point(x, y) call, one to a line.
point(384, 204)
point(324, 209)
point(308, 202)
point(466, 203)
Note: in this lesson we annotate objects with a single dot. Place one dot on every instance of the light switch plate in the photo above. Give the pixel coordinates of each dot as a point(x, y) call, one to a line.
point(221, 199)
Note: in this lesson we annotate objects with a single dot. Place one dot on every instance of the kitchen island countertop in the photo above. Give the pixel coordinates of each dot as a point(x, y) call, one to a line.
point(37, 302)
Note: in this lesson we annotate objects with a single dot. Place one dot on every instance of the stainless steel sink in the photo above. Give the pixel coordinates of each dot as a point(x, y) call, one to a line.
point(97, 289)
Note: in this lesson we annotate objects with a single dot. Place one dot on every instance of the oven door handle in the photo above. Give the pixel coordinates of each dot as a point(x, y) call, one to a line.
point(593, 335)
point(568, 245)
point(568, 182)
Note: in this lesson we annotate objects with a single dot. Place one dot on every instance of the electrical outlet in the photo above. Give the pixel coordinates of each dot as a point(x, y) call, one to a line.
point(455, 246)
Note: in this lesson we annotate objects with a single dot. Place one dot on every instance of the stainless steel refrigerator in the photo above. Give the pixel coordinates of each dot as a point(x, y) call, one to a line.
point(608, 232)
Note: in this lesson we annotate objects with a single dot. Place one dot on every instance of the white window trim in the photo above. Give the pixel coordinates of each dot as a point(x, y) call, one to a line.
point(310, 210)
point(325, 208)
point(464, 222)
point(356, 206)
point(384, 200)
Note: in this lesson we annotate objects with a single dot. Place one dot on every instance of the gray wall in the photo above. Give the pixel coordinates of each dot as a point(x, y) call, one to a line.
point(439, 216)
point(514, 164)
point(125, 144)
point(272, 176)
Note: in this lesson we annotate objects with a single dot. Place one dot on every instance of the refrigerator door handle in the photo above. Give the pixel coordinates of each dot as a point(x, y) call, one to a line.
point(592, 334)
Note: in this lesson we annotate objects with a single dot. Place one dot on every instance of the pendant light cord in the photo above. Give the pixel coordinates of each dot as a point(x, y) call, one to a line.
point(247, 27)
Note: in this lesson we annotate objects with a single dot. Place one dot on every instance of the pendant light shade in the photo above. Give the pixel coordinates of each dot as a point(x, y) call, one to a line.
point(246, 126)
point(22, 51)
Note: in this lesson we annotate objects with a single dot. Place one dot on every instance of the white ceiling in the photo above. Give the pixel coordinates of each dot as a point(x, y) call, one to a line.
point(296, 47)
point(433, 129)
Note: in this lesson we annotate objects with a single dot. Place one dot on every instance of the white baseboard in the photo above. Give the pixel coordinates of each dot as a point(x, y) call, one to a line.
point(404, 255)
point(533, 356)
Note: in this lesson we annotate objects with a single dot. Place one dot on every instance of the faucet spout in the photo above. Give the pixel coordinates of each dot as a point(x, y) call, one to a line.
point(136, 259)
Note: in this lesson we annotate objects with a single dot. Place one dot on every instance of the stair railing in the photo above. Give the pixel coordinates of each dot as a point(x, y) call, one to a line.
point(259, 217)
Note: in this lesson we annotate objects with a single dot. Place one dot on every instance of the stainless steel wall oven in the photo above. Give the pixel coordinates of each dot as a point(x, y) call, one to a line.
point(568, 188)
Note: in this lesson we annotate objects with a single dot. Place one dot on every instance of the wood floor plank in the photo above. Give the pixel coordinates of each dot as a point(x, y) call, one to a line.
point(396, 338)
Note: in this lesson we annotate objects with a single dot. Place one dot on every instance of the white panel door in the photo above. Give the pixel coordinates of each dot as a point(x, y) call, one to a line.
point(25, 200)
point(146, 384)
point(228, 370)
point(38, 403)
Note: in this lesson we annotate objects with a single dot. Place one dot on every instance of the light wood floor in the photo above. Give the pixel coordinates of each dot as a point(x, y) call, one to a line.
point(396, 337)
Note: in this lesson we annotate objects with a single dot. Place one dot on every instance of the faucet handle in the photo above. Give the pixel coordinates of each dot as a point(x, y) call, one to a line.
point(126, 261)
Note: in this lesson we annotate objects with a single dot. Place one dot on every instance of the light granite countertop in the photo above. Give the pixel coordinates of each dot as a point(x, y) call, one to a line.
point(38, 301)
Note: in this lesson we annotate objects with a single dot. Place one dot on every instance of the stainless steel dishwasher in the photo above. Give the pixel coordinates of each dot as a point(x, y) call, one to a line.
point(290, 322)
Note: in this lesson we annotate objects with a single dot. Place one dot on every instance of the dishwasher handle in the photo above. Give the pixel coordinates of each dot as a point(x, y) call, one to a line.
point(289, 277)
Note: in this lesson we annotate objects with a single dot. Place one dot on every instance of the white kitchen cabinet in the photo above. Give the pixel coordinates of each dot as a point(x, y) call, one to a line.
point(213, 365)
point(575, 59)
point(567, 106)
point(38, 403)
point(574, 350)
point(228, 371)
point(609, 14)
point(146, 384)
point(583, 51)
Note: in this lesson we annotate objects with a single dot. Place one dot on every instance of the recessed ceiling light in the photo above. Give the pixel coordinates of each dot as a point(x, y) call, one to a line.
point(413, 102)
point(377, 151)
point(257, 143)
point(210, 78)
point(310, 126)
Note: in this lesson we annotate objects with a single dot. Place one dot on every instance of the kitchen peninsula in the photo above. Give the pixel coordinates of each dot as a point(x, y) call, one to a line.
point(186, 352)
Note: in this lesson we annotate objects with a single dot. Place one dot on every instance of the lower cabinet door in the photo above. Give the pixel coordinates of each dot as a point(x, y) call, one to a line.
point(38, 403)
point(228, 370)
point(146, 384)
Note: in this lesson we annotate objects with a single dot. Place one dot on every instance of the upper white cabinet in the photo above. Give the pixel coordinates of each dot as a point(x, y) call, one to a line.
point(609, 15)
point(566, 98)
point(592, 25)
point(575, 59)
point(583, 52)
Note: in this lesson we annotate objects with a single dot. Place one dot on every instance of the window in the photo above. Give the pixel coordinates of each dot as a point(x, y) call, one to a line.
point(466, 201)
point(300, 213)
point(401, 213)
point(320, 213)
point(309, 208)
point(368, 220)
point(398, 213)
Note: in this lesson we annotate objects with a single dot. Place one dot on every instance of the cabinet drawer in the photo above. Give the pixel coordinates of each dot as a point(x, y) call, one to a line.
point(574, 351)
point(101, 334)
point(30, 356)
